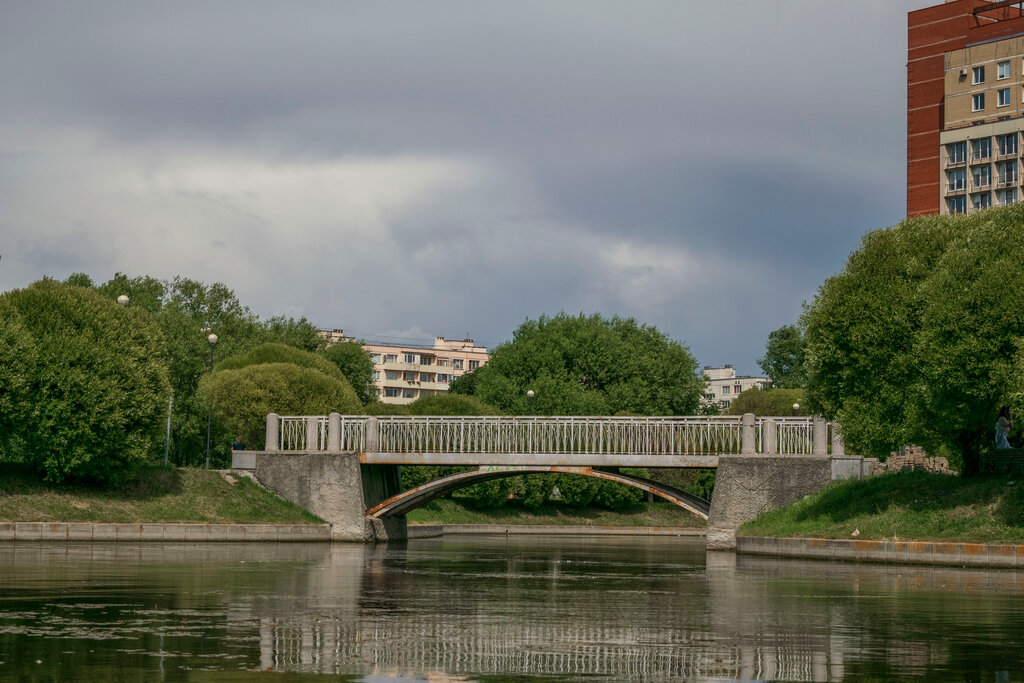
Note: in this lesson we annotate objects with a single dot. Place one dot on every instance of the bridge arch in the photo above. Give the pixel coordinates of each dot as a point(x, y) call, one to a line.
point(421, 495)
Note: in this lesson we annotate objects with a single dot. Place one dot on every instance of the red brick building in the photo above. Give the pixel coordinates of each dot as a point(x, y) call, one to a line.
point(965, 106)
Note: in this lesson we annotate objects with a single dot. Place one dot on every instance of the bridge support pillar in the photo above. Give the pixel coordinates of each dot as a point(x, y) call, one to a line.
point(747, 486)
point(330, 486)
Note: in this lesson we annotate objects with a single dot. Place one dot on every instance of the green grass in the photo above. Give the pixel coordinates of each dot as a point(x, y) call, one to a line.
point(451, 511)
point(905, 506)
point(153, 495)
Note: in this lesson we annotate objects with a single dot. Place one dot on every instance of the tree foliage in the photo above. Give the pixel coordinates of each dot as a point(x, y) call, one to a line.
point(354, 362)
point(240, 399)
point(272, 352)
point(915, 340)
point(95, 377)
point(450, 404)
point(783, 360)
point(590, 365)
point(769, 402)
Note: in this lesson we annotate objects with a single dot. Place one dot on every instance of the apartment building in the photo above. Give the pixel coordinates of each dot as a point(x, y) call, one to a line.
point(965, 106)
point(723, 385)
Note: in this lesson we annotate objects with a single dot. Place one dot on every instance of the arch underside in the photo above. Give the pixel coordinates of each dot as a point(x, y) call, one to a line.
point(421, 495)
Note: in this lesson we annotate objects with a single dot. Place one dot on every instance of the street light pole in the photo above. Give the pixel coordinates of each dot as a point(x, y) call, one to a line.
point(529, 399)
point(796, 407)
point(213, 342)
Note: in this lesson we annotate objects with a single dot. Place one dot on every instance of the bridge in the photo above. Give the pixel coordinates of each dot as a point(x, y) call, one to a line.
point(343, 466)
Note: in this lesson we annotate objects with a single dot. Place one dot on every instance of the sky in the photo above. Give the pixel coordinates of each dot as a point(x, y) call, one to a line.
point(408, 170)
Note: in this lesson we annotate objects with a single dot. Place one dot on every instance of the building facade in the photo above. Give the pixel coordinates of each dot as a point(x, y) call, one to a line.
point(965, 106)
point(406, 373)
point(723, 385)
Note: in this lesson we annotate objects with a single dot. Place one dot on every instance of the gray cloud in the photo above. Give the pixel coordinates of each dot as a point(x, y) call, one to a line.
point(460, 166)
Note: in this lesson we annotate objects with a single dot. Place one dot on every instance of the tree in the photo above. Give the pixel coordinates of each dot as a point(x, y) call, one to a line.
point(272, 352)
point(449, 404)
point(915, 340)
point(769, 402)
point(240, 399)
point(783, 360)
point(300, 333)
point(97, 383)
point(354, 362)
point(17, 369)
point(590, 365)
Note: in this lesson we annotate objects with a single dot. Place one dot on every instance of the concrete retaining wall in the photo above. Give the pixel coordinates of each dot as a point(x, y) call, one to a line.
point(898, 552)
point(160, 533)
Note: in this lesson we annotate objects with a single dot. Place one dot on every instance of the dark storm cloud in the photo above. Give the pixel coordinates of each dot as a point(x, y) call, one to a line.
point(702, 166)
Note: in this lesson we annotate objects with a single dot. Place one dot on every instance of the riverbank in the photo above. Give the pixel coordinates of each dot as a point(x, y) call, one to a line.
point(912, 506)
point(155, 495)
point(658, 514)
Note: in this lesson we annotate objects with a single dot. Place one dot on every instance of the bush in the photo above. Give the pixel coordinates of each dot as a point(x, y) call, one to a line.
point(379, 409)
point(451, 404)
point(240, 400)
point(98, 385)
point(17, 361)
point(354, 362)
point(772, 402)
point(282, 353)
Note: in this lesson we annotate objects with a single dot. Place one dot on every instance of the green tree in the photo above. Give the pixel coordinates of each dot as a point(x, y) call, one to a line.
point(240, 399)
point(300, 333)
point(354, 362)
point(590, 365)
point(272, 352)
point(783, 360)
point(98, 383)
point(450, 404)
point(17, 369)
point(769, 402)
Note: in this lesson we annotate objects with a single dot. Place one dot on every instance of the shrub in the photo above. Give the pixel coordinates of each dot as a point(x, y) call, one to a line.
point(241, 399)
point(281, 353)
point(451, 404)
point(98, 384)
point(354, 362)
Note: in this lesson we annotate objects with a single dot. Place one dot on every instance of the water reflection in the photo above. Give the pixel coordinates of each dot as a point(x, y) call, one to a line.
point(619, 608)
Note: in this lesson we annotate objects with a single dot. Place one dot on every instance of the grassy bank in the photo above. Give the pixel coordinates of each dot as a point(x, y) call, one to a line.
point(451, 511)
point(905, 506)
point(153, 495)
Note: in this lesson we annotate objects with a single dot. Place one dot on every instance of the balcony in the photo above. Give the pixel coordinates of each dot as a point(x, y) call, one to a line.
point(1006, 181)
point(981, 159)
point(983, 185)
point(956, 189)
point(1007, 153)
point(958, 160)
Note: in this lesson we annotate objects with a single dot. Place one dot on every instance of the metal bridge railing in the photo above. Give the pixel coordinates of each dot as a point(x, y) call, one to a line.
point(686, 435)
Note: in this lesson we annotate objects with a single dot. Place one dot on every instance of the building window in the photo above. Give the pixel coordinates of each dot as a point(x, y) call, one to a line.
point(737, 389)
point(981, 201)
point(1004, 97)
point(1007, 172)
point(979, 75)
point(957, 204)
point(956, 153)
point(1003, 70)
point(1005, 197)
point(957, 179)
point(391, 358)
point(443, 378)
point(391, 393)
point(978, 102)
point(725, 391)
point(376, 375)
point(457, 363)
point(426, 360)
point(410, 358)
point(375, 358)
point(981, 149)
point(390, 374)
point(408, 393)
point(473, 365)
point(1007, 144)
point(982, 176)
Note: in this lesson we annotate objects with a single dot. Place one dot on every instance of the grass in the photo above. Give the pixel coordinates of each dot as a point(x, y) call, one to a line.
point(452, 511)
point(913, 505)
point(153, 495)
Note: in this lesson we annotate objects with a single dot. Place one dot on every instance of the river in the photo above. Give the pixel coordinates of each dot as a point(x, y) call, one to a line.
point(492, 608)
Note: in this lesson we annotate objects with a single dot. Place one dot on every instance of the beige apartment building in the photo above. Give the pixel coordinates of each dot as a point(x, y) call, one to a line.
point(723, 385)
point(405, 373)
point(984, 118)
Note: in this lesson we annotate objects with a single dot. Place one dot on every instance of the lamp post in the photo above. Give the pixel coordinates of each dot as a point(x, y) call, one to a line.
point(122, 300)
point(796, 407)
point(529, 399)
point(213, 342)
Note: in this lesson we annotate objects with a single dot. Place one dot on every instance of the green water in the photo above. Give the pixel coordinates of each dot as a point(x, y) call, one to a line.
point(495, 608)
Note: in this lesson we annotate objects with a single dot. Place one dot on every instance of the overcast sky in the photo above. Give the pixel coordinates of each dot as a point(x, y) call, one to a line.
point(410, 169)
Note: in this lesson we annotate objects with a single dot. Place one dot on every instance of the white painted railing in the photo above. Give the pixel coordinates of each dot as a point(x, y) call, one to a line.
point(687, 435)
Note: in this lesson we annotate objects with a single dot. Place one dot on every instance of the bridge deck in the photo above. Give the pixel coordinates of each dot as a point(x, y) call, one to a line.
point(541, 459)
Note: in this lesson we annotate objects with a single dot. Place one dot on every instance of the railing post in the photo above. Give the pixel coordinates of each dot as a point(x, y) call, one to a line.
point(312, 433)
point(372, 434)
point(273, 432)
point(334, 433)
point(747, 439)
point(819, 436)
point(771, 436)
point(838, 445)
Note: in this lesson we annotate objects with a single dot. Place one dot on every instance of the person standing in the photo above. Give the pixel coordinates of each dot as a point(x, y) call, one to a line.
point(1003, 424)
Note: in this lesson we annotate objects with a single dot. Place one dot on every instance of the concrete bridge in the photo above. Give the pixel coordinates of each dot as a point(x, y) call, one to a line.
point(345, 468)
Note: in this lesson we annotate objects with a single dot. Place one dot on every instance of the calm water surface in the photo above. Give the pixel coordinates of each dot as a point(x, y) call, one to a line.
point(495, 608)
